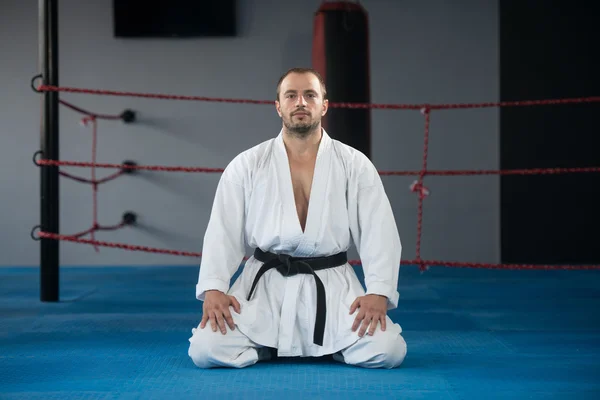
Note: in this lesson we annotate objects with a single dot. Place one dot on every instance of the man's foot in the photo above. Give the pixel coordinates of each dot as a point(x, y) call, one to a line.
point(266, 353)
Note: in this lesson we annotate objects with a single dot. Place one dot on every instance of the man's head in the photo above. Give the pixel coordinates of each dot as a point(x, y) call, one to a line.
point(301, 100)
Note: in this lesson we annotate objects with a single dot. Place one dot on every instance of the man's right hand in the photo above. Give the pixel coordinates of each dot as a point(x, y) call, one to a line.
point(216, 309)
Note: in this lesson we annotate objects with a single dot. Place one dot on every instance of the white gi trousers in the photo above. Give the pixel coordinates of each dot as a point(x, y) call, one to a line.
point(208, 349)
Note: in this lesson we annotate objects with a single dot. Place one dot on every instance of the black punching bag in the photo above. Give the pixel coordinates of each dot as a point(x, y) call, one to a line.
point(341, 55)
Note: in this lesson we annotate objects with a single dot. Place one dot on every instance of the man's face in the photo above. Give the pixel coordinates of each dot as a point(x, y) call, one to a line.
point(301, 104)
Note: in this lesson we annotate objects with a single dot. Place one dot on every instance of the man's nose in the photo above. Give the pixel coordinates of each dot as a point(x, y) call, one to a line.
point(301, 101)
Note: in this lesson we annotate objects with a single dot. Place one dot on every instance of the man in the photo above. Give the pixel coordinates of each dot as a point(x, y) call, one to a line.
point(299, 199)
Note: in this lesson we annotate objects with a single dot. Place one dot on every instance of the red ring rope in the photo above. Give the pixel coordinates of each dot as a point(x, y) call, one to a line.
point(93, 119)
point(418, 186)
point(163, 168)
point(593, 99)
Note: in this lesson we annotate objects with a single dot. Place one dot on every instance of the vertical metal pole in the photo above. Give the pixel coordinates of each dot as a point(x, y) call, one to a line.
point(49, 199)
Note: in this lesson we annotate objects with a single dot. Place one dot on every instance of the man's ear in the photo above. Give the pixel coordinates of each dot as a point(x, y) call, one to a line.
point(278, 107)
point(325, 107)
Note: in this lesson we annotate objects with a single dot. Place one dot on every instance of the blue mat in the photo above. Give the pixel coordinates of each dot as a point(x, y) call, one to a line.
point(122, 333)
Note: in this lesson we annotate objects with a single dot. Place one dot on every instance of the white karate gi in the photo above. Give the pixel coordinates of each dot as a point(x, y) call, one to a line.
point(254, 204)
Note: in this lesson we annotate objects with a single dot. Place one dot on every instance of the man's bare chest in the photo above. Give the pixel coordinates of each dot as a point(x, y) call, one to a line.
point(302, 177)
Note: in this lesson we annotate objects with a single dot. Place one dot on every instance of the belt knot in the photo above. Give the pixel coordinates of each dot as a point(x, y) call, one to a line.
point(290, 267)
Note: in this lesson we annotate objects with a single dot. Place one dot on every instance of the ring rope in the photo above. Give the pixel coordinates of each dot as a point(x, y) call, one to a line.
point(164, 168)
point(417, 186)
point(438, 263)
point(92, 118)
point(592, 99)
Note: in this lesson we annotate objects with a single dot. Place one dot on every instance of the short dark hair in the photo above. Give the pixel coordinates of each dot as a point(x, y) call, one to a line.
point(302, 70)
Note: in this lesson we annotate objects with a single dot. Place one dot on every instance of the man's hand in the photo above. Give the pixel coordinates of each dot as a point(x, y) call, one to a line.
point(216, 309)
point(372, 308)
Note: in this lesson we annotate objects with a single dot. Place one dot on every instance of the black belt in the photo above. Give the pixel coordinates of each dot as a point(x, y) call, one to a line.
point(290, 266)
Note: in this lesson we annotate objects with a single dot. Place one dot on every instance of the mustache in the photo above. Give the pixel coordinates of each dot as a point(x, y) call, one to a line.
point(301, 112)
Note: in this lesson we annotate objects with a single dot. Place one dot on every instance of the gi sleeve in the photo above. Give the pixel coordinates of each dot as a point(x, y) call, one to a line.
point(223, 248)
point(375, 234)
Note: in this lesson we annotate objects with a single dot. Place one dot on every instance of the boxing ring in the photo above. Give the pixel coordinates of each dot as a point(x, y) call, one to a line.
point(418, 186)
point(474, 330)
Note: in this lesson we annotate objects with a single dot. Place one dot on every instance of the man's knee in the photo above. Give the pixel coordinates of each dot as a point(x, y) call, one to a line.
point(383, 350)
point(210, 349)
point(394, 352)
point(203, 347)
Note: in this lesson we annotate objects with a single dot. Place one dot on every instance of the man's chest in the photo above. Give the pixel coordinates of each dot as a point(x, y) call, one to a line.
point(302, 174)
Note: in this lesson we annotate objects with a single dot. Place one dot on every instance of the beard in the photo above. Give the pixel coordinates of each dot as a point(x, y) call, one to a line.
point(300, 129)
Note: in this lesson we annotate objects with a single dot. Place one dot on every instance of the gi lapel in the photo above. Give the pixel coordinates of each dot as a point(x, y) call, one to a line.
point(318, 196)
point(291, 225)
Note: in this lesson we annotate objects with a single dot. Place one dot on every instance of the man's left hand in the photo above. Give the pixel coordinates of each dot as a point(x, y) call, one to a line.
point(372, 309)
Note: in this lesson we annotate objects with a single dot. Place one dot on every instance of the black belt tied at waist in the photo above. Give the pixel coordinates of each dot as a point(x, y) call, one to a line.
point(290, 266)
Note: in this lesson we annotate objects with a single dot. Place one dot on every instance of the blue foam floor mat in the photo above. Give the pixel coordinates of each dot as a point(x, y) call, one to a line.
point(122, 333)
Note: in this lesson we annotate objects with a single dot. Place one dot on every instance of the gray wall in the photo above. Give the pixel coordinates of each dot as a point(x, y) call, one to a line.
point(435, 51)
